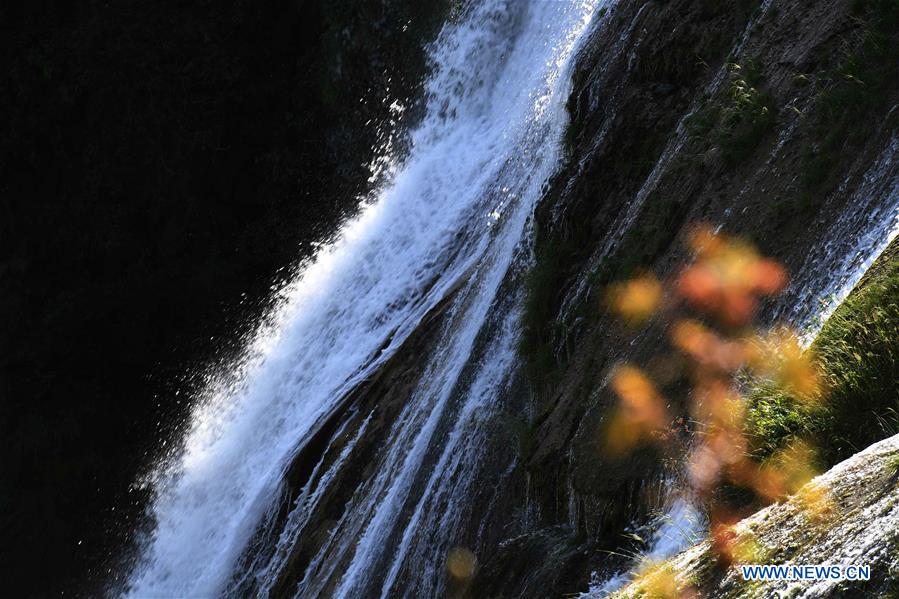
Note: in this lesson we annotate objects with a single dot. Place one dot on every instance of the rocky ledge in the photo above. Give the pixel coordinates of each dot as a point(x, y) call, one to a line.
point(847, 516)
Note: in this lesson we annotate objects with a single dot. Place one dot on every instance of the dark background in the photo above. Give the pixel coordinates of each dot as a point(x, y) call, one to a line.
point(162, 164)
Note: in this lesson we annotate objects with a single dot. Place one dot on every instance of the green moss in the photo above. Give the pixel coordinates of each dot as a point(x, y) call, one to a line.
point(893, 465)
point(858, 352)
point(656, 582)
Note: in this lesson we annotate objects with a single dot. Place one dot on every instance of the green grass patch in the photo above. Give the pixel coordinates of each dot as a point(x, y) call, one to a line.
point(736, 121)
point(858, 352)
point(775, 418)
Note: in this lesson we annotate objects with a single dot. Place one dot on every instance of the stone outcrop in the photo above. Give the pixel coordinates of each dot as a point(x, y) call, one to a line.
point(847, 516)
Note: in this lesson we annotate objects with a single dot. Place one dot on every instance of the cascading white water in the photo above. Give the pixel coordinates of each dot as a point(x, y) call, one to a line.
point(452, 220)
point(849, 246)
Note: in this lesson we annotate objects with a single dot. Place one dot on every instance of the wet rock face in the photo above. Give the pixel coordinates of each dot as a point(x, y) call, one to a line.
point(853, 519)
point(657, 141)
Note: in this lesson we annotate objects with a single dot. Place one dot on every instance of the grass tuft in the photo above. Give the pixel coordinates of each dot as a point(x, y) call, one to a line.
point(736, 122)
point(858, 351)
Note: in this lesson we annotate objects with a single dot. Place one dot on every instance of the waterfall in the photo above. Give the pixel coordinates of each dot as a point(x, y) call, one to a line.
point(449, 230)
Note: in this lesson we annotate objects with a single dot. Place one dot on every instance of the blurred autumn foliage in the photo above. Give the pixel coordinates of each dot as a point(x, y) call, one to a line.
point(707, 311)
point(461, 565)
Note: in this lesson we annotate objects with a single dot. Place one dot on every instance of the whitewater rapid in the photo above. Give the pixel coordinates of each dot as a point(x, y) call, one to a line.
point(451, 225)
